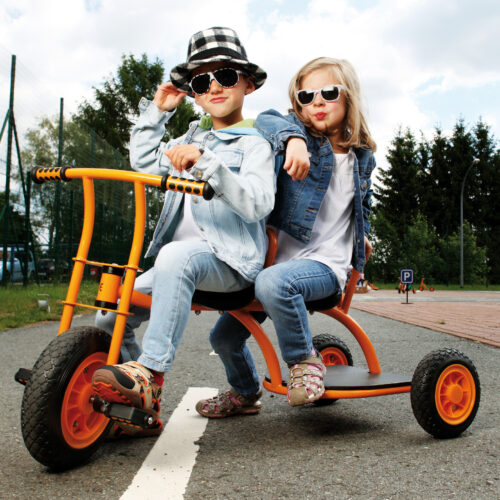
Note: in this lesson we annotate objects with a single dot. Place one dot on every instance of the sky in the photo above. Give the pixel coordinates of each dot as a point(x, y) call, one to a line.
point(422, 64)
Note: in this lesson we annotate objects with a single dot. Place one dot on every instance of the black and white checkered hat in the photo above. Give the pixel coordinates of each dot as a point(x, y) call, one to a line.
point(214, 44)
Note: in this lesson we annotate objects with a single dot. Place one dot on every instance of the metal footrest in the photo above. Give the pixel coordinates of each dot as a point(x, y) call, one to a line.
point(22, 376)
point(134, 417)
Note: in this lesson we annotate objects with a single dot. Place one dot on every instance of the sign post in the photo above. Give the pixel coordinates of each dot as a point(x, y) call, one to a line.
point(406, 279)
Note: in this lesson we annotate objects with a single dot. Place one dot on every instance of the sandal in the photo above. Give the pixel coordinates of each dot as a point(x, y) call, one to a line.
point(124, 431)
point(305, 383)
point(229, 403)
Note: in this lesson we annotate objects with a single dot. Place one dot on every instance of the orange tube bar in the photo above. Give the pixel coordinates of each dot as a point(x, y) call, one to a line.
point(345, 393)
point(130, 273)
point(265, 345)
point(360, 335)
point(81, 256)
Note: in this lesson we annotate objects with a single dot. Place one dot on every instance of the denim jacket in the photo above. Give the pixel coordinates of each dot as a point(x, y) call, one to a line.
point(237, 163)
point(298, 202)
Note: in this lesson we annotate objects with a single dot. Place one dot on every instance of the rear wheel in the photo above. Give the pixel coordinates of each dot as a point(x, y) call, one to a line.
point(445, 393)
point(334, 352)
point(59, 425)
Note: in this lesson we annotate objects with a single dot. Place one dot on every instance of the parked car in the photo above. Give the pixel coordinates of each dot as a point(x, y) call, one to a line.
point(15, 264)
point(47, 269)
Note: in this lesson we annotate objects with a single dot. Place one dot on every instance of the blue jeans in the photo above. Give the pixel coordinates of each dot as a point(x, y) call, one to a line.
point(180, 268)
point(283, 290)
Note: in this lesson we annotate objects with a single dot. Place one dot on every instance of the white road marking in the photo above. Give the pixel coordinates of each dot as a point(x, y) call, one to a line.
point(166, 470)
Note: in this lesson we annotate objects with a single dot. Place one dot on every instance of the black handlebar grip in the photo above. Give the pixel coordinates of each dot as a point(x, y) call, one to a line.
point(188, 186)
point(208, 191)
point(39, 175)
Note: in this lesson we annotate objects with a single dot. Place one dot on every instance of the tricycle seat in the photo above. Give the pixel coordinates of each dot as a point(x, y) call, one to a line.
point(325, 303)
point(224, 301)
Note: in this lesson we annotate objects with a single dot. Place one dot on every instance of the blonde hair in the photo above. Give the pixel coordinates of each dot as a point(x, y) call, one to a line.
point(356, 132)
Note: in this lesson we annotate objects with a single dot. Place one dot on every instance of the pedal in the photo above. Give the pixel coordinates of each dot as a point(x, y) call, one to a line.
point(133, 417)
point(22, 376)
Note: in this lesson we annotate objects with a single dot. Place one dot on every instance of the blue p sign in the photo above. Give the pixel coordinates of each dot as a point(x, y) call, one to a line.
point(406, 276)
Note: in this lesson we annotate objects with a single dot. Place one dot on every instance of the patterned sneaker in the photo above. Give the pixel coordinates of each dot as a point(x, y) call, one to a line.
point(305, 383)
point(121, 431)
point(229, 403)
point(130, 384)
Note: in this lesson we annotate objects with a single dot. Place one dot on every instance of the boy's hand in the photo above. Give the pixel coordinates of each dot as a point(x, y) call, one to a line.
point(368, 249)
point(296, 159)
point(183, 156)
point(168, 97)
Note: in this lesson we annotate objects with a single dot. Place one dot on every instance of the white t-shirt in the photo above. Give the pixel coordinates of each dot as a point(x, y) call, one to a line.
point(332, 235)
point(187, 230)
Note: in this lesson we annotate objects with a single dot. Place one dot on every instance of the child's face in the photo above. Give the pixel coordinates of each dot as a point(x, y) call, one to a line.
point(326, 117)
point(224, 105)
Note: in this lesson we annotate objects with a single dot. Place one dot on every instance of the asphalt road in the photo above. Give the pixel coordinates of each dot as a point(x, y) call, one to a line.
point(366, 448)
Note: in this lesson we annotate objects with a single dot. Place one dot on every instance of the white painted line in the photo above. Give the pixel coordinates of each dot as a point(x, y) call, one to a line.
point(166, 470)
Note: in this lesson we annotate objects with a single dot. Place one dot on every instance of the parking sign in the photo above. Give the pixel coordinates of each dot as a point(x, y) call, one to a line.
point(406, 276)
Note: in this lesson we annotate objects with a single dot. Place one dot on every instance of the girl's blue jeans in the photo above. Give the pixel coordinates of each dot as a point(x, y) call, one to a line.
point(283, 290)
point(180, 268)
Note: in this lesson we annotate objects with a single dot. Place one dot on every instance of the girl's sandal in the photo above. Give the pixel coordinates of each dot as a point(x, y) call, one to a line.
point(229, 403)
point(305, 383)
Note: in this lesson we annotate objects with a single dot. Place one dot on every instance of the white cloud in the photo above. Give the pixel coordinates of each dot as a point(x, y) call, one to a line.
point(402, 50)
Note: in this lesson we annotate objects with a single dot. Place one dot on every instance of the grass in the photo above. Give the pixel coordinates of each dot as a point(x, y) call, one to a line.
point(19, 304)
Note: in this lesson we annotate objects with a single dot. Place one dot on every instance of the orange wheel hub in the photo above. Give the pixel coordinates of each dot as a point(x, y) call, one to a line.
point(455, 394)
point(333, 356)
point(80, 424)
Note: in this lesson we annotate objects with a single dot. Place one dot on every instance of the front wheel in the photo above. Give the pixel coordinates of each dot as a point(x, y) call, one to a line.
point(334, 352)
point(445, 393)
point(59, 425)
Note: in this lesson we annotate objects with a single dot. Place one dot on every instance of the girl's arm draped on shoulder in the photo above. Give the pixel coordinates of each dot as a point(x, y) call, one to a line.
point(285, 134)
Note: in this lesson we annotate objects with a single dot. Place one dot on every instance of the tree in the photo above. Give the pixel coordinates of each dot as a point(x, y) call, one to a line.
point(116, 102)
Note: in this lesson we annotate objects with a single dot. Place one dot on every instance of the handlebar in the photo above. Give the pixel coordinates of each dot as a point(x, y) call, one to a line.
point(39, 175)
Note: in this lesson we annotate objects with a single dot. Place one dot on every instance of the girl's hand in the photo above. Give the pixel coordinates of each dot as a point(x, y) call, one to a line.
point(168, 97)
point(183, 156)
point(296, 159)
point(368, 249)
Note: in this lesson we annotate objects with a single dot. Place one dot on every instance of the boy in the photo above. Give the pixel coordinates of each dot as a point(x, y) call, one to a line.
point(216, 245)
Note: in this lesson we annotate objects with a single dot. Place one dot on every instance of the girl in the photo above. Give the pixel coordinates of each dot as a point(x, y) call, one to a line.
point(322, 218)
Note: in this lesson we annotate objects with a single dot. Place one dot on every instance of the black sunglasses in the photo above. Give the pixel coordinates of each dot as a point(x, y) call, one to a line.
point(330, 93)
point(225, 77)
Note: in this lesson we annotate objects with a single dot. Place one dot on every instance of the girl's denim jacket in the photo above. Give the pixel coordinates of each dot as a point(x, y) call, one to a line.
point(239, 165)
point(297, 202)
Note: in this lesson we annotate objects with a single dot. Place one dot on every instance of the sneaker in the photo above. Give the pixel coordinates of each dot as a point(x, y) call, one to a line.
point(229, 403)
point(123, 431)
point(130, 384)
point(305, 383)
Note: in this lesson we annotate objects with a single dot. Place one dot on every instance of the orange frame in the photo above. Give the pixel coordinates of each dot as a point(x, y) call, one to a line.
point(130, 296)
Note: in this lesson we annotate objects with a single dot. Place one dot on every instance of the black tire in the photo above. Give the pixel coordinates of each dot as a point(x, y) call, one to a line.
point(445, 393)
point(70, 359)
point(334, 352)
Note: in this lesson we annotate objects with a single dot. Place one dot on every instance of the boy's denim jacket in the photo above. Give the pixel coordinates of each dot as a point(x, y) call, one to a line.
point(298, 202)
point(237, 163)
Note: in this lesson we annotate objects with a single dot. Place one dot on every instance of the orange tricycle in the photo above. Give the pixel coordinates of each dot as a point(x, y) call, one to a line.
point(63, 423)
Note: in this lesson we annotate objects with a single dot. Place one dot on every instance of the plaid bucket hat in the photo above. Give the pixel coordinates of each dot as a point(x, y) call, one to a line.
point(214, 44)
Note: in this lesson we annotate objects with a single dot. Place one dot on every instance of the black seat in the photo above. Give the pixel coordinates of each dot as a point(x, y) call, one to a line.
point(223, 301)
point(325, 303)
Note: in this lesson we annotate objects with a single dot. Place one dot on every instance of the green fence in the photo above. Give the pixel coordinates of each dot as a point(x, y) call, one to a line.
point(47, 219)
